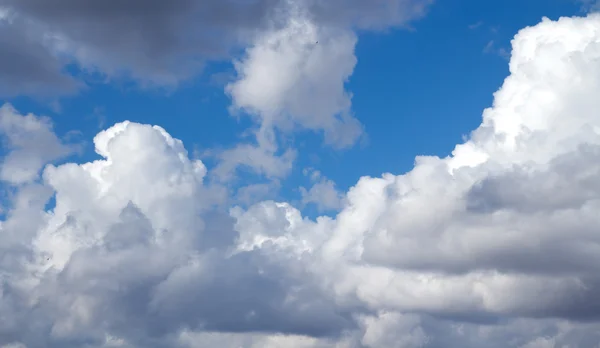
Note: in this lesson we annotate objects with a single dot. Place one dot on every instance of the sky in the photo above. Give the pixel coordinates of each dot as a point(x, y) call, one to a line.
point(299, 174)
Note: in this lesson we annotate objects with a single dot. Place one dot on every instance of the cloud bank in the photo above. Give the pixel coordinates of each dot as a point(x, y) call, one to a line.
point(493, 246)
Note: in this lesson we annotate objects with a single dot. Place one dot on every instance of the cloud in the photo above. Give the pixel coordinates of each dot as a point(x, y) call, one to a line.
point(490, 48)
point(156, 42)
point(30, 143)
point(322, 193)
point(87, 275)
point(493, 246)
point(457, 236)
point(367, 15)
point(27, 66)
point(475, 25)
point(263, 159)
point(285, 80)
point(293, 78)
point(589, 5)
point(252, 193)
point(512, 211)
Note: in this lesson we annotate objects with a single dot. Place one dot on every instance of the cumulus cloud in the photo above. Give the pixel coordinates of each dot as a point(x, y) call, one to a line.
point(295, 76)
point(459, 236)
point(124, 257)
point(493, 246)
point(155, 42)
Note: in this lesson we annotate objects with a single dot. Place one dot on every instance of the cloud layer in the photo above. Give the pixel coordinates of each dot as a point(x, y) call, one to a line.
point(494, 246)
point(154, 42)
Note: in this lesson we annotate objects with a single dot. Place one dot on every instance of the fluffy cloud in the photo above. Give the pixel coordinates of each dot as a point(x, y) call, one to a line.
point(494, 246)
point(123, 256)
point(511, 212)
point(155, 42)
point(322, 193)
point(29, 143)
point(296, 76)
point(263, 158)
point(293, 77)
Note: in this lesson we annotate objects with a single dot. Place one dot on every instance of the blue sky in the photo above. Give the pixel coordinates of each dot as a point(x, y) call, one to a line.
point(416, 91)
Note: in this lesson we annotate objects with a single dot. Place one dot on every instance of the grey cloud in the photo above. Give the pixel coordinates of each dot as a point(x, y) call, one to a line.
point(160, 41)
point(251, 298)
point(521, 333)
point(156, 42)
point(569, 181)
point(28, 67)
point(547, 209)
point(146, 301)
point(365, 14)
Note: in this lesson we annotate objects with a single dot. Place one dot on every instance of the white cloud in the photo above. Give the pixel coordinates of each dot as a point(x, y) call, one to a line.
point(494, 246)
point(260, 159)
point(30, 143)
point(295, 76)
point(513, 211)
point(127, 253)
point(294, 73)
point(289, 78)
point(322, 193)
point(252, 193)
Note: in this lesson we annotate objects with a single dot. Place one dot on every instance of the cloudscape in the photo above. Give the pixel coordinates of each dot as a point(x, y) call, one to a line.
point(299, 173)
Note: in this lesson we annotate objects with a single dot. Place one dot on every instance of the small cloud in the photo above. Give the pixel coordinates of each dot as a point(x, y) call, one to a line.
point(475, 25)
point(323, 192)
point(490, 48)
point(312, 173)
point(589, 5)
point(504, 53)
point(98, 114)
point(222, 78)
point(56, 107)
point(250, 194)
